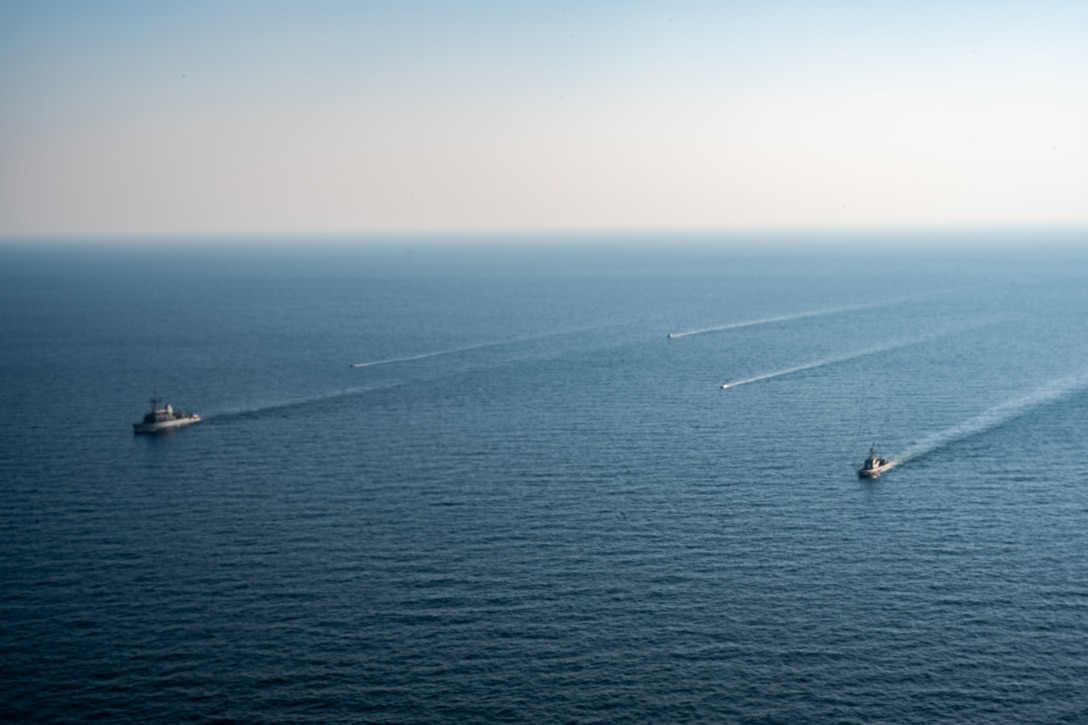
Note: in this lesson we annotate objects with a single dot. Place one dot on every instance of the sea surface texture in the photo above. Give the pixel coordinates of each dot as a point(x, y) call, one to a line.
point(531, 500)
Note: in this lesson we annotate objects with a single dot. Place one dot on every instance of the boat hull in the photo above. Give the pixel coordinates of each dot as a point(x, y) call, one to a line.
point(164, 425)
point(875, 471)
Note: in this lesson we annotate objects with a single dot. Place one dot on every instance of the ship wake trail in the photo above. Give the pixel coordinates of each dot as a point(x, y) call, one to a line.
point(1049, 392)
point(425, 355)
point(769, 320)
point(466, 348)
point(834, 359)
point(375, 386)
point(233, 413)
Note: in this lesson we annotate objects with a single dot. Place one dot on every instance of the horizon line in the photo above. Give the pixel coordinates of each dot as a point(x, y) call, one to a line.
point(601, 233)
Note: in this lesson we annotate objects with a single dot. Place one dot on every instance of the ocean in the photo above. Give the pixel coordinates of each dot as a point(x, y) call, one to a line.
point(531, 499)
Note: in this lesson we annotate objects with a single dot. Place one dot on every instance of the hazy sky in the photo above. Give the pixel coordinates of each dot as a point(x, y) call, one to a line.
point(282, 117)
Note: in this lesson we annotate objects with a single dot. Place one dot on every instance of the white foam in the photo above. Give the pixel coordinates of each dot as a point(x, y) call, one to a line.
point(1047, 393)
point(769, 320)
point(422, 356)
point(835, 359)
point(466, 348)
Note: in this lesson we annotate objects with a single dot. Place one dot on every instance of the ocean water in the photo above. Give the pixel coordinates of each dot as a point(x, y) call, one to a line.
point(528, 503)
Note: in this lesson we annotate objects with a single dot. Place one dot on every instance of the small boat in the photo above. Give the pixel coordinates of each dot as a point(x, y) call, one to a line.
point(166, 418)
point(874, 465)
point(725, 386)
point(355, 365)
point(671, 335)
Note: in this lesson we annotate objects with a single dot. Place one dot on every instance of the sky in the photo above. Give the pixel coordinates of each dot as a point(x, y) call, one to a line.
point(272, 118)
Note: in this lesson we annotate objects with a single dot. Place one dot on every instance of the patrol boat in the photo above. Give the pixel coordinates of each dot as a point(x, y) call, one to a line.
point(874, 466)
point(160, 419)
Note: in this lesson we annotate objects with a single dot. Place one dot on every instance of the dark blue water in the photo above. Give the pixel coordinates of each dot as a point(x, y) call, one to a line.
point(530, 505)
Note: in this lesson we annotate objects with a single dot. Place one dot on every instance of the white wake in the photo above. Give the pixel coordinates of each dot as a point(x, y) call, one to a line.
point(1047, 393)
point(769, 320)
point(835, 359)
point(467, 348)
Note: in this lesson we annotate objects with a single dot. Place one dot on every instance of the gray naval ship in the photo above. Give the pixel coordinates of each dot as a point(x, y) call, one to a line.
point(166, 418)
point(874, 465)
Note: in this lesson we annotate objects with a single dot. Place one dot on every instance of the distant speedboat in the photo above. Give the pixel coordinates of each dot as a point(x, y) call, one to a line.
point(671, 335)
point(355, 365)
point(160, 419)
point(725, 385)
point(874, 465)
